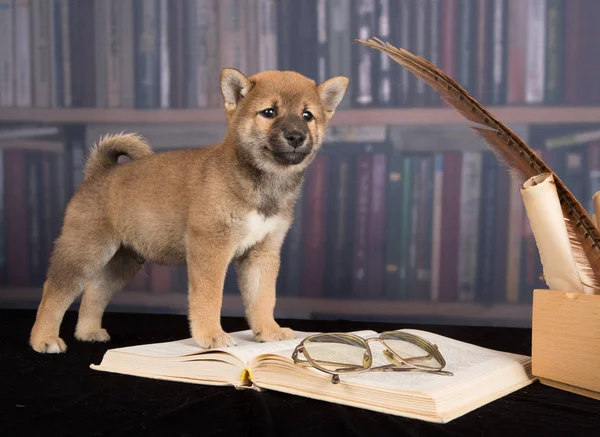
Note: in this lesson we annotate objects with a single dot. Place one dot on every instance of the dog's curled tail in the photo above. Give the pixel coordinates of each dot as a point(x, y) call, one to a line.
point(105, 153)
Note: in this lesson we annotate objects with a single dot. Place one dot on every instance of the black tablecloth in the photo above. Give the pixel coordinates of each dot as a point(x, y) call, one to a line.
point(56, 395)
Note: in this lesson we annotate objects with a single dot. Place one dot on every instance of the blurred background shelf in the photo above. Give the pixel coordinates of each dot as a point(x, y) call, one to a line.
point(294, 307)
point(371, 116)
point(405, 215)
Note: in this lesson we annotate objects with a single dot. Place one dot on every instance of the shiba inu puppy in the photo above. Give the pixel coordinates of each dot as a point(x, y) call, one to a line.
point(205, 207)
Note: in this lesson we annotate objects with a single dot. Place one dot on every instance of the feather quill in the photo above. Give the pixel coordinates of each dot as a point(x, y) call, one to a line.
point(510, 150)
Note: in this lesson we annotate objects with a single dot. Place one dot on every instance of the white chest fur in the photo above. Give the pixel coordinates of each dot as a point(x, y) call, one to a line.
point(257, 227)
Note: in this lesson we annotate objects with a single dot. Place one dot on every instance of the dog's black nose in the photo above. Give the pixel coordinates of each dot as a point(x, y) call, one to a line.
point(295, 138)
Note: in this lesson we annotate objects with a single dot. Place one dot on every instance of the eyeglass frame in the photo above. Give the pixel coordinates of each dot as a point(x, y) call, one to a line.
point(398, 364)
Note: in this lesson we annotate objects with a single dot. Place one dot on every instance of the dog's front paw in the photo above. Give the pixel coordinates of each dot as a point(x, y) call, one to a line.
point(94, 335)
point(48, 345)
point(275, 334)
point(213, 339)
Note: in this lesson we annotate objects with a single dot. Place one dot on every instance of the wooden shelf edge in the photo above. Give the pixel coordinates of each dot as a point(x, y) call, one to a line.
point(367, 116)
point(295, 306)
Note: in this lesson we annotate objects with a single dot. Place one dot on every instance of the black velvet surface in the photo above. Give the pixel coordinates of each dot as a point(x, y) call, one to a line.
point(59, 395)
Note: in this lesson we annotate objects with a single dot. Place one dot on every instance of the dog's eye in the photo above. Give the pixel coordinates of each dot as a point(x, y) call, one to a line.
point(307, 115)
point(268, 113)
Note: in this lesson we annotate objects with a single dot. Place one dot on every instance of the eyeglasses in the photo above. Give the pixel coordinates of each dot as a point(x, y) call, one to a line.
point(338, 353)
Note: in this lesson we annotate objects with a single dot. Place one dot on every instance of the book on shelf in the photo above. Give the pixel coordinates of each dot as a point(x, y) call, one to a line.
point(388, 218)
point(168, 54)
point(479, 375)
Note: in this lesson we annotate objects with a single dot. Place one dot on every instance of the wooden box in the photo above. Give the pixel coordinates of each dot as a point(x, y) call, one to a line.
point(565, 349)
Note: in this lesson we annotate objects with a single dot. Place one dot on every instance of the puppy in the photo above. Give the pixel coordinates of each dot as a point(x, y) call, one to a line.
point(203, 207)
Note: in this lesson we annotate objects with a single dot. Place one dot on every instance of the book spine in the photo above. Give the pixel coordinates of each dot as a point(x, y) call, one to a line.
point(322, 42)
point(470, 199)
point(335, 220)
point(499, 51)
point(483, 49)
point(232, 32)
point(179, 58)
point(285, 41)
point(54, 54)
point(416, 189)
point(47, 191)
point(377, 221)
point(395, 180)
point(421, 49)
point(436, 225)
point(7, 58)
point(251, 52)
point(63, 41)
point(58, 190)
point(314, 230)
point(267, 25)
point(517, 17)
point(513, 262)
point(535, 52)
point(574, 52)
point(340, 44)
point(554, 56)
point(102, 48)
point(32, 185)
point(199, 29)
point(147, 54)
point(466, 42)
point(295, 248)
point(194, 19)
point(503, 185)
point(163, 53)
point(113, 68)
point(339, 244)
point(591, 67)
point(449, 32)
point(385, 94)
point(435, 45)
point(425, 216)
point(406, 37)
point(405, 223)
point(16, 224)
point(213, 47)
point(40, 51)
point(22, 56)
point(487, 229)
point(361, 230)
point(83, 66)
point(364, 58)
point(450, 226)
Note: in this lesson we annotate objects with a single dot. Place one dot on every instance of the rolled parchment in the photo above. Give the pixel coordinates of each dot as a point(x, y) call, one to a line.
point(550, 233)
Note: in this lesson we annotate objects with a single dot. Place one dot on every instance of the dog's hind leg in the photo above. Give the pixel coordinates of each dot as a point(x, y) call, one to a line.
point(97, 294)
point(78, 257)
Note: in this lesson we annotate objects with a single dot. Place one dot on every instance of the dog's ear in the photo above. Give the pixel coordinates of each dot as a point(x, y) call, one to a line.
point(332, 92)
point(234, 87)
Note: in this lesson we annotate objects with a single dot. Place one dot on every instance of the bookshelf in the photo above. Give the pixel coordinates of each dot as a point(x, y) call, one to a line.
point(531, 115)
point(300, 307)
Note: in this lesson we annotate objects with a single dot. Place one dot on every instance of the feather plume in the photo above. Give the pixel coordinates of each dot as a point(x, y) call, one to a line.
point(510, 150)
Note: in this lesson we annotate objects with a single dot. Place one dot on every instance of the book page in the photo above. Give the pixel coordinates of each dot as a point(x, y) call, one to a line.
point(245, 349)
point(464, 360)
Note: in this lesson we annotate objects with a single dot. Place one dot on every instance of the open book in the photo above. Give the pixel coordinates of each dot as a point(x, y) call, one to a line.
point(480, 375)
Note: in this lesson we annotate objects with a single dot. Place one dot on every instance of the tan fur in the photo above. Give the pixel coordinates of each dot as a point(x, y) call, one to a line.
point(202, 207)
